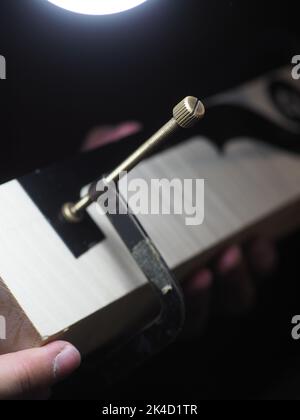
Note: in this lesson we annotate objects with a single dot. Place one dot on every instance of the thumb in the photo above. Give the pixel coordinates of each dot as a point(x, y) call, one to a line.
point(27, 373)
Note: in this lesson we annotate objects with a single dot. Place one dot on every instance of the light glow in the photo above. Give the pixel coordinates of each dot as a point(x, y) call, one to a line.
point(97, 7)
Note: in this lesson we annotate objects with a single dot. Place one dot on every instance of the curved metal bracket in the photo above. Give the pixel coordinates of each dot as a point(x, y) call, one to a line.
point(166, 327)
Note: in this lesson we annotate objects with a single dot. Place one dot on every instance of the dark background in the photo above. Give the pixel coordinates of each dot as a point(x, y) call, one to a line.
point(67, 73)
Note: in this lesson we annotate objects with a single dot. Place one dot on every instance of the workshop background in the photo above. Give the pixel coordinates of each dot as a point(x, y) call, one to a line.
point(67, 73)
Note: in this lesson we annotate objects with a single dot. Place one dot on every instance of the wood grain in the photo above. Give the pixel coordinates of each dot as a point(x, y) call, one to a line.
point(46, 293)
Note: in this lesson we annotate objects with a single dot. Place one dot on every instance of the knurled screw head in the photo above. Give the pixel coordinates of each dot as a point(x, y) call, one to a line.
point(188, 112)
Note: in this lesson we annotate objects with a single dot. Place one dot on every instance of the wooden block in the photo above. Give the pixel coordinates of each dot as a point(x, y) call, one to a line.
point(47, 293)
point(47, 289)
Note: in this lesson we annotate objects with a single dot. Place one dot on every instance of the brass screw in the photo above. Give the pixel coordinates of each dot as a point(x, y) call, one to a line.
point(187, 113)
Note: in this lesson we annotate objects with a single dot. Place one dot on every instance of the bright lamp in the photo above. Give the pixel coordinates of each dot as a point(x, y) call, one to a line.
point(97, 7)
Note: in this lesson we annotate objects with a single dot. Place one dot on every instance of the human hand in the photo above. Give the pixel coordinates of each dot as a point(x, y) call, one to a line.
point(229, 287)
point(30, 374)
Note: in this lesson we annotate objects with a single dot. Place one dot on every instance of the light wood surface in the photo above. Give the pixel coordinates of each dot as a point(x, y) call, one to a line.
point(47, 293)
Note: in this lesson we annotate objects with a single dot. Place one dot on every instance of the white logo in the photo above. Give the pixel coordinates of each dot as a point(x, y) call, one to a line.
point(296, 329)
point(296, 68)
point(2, 328)
point(155, 197)
point(2, 68)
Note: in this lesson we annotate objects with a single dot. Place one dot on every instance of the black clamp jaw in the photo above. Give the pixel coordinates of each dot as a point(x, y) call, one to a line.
point(165, 328)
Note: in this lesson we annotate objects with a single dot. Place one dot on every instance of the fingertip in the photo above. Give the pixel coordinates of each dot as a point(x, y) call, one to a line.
point(201, 281)
point(127, 129)
point(229, 260)
point(65, 359)
point(66, 362)
point(101, 136)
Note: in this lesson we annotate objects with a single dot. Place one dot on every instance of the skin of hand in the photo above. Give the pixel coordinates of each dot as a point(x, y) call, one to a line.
point(30, 374)
point(227, 285)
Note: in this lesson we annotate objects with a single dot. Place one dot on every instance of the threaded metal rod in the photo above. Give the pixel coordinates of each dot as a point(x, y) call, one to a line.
point(185, 115)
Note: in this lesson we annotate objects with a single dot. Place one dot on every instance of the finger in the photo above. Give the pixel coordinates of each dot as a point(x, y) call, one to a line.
point(262, 257)
point(108, 134)
point(198, 293)
point(235, 288)
point(26, 373)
